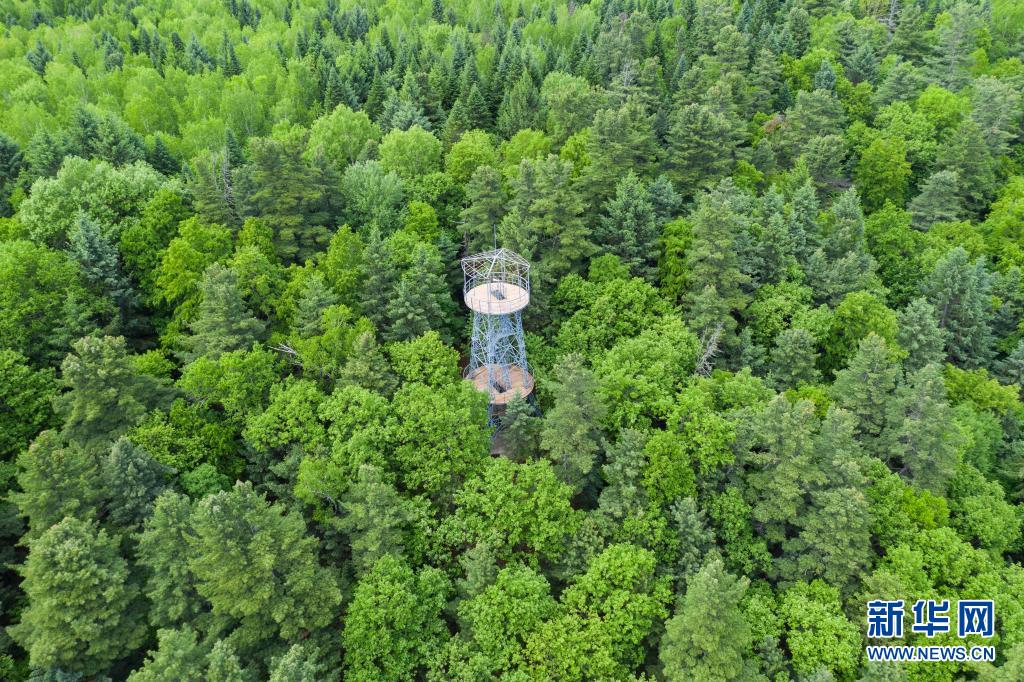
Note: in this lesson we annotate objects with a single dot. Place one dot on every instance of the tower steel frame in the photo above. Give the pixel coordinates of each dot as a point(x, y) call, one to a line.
point(496, 287)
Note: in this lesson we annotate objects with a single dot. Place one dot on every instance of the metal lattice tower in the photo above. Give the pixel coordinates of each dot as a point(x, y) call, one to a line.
point(496, 288)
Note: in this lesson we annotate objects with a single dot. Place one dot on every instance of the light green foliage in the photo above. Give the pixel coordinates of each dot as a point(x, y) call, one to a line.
point(502, 618)
point(883, 173)
point(187, 257)
point(857, 315)
point(341, 135)
point(394, 624)
point(373, 196)
point(85, 612)
point(291, 417)
point(474, 149)
point(648, 368)
point(434, 448)
point(817, 631)
point(106, 194)
point(618, 600)
point(410, 153)
point(516, 509)
point(25, 395)
point(708, 637)
point(178, 656)
point(39, 290)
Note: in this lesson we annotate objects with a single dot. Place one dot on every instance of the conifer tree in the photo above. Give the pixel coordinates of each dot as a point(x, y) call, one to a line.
point(132, 481)
point(420, 303)
point(56, 481)
point(938, 201)
point(178, 656)
point(367, 367)
point(170, 583)
point(106, 395)
point(925, 438)
point(708, 638)
point(84, 611)
point(570, 435)
point(315, 299)
point(866, 388)
point(99, 260)
point(375, 518)
point(257, 566)
point(628, 229)
point(519, 107)
point(966, 153)
point(712, 261)
point(794, 359)
point(695, 538)
point(486, 205)
point(520, 429)
point(298, 664)
point(620, 140)
point(700, 144)
point(223, 322)
point(920, 335)
point(223, 664)
point(960, 292)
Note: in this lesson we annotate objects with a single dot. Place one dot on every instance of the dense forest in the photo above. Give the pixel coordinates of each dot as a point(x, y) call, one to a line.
point(777, 328)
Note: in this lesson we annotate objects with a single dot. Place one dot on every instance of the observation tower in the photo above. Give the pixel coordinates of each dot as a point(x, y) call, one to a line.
point(496, 287)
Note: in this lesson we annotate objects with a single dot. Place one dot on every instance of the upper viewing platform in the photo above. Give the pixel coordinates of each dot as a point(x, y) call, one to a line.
point(496, 282)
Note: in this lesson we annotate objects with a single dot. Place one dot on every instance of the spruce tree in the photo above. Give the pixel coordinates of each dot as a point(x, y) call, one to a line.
point(161, 158)
point(960, 291)
point(866, 388)
point(315, 299)
point(132, 481)
point(106, 396)
point(520, 429)
point(925, 439)
point(938, 200)
point(486, 205)
point(420, 303)
point(708, 638)
point(519, 107)
point(628, 228)
point(920, 335)
point(571, 436)
point(695, 538)
point(966, 153)
point(223, 322)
